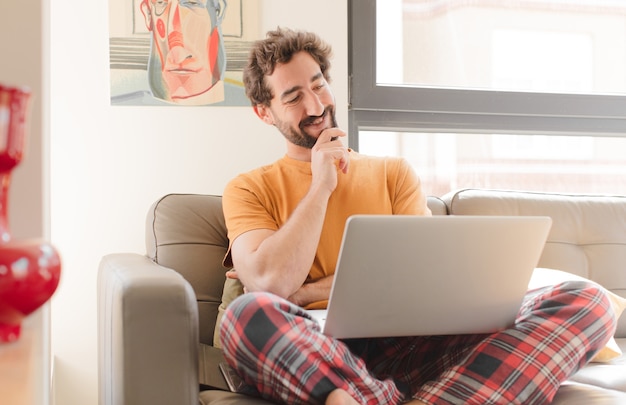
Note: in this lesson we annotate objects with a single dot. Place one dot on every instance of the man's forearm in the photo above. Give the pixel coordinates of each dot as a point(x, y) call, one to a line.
point(315, 291)
point(282, 261)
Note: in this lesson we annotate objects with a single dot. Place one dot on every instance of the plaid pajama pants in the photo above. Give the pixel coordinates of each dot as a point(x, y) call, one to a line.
point(282, 356)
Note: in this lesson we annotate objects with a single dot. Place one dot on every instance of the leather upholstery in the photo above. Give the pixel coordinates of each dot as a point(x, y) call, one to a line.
point(153, 309)
point(587, 238)
point(187, 232)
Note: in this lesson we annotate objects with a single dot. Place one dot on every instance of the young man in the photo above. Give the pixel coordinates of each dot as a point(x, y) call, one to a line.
point(285, 224)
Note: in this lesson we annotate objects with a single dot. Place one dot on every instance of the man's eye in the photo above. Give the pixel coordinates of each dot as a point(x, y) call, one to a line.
point(293, 100)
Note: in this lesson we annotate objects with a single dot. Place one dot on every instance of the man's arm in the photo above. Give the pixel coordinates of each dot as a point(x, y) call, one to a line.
point(314, 291)
point(279, 261)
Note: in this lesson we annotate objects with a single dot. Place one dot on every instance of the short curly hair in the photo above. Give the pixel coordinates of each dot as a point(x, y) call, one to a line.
point(279, 47)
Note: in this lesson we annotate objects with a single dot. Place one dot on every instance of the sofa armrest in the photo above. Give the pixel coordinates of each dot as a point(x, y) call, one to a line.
point(147, 334)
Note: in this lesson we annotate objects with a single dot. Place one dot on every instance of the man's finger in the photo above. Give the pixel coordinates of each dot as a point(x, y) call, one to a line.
point(330, 134)
point(232, 274)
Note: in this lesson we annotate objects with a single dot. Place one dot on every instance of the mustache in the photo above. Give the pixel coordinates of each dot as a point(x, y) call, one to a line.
point(312, 118)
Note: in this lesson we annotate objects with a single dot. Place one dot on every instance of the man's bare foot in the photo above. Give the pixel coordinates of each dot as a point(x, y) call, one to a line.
point(341, 397)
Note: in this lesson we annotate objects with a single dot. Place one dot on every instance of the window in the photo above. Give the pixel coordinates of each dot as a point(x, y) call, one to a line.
point(448, 161)
point(486, 94)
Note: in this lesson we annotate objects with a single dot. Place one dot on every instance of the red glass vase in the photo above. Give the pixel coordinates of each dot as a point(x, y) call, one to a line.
point(29, 269)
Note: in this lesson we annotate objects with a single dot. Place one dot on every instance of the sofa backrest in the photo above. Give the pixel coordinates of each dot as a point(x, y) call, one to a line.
point(186, 232)
point(587, 238)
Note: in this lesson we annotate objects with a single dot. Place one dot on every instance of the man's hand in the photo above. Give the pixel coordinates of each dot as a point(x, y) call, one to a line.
point(232, 274)
point(328, 155)
point(312, 292)
point(309, 292)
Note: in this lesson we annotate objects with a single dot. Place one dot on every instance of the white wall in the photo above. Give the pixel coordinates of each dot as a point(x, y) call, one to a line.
point(108, 164)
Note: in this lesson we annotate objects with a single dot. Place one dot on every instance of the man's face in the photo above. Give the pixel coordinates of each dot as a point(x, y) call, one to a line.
point(187, 51)
point(303, 104)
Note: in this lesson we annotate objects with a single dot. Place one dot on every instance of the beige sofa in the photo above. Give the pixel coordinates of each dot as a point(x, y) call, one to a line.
point(154, 309)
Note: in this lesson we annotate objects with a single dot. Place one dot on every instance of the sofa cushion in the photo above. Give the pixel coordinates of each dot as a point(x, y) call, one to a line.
point(437, 206)
point(214, 397)
point(587, 236)
point(612, 350)
point(232, 289)
point(609, 375)
point(573, 393)
point(187, 233)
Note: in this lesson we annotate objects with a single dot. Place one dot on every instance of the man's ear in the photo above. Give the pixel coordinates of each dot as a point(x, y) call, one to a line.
point(264, 113)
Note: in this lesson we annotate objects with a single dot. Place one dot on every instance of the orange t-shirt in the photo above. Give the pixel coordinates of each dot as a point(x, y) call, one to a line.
point(265, 198)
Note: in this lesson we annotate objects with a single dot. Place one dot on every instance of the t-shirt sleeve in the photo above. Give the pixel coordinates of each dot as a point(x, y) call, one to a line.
point(244, 211)
point(409, 198)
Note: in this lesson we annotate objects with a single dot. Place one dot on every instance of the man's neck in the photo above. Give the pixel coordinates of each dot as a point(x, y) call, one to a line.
point(298, 152)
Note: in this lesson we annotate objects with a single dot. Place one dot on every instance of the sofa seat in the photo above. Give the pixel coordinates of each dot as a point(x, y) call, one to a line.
point(610, 375)
point(597, 383)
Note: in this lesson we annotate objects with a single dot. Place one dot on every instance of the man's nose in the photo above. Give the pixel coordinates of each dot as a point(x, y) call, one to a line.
point(313, 104)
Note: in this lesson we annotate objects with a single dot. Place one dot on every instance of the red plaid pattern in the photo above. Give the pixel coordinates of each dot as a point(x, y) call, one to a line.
point(279, 351)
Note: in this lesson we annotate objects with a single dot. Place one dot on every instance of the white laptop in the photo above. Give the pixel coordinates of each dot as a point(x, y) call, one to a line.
point(440, 275)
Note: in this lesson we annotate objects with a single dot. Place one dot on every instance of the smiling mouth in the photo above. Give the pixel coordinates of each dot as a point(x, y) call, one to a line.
point(314, 121)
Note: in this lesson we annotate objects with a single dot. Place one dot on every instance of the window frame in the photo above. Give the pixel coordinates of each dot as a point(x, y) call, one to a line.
point(376, 107)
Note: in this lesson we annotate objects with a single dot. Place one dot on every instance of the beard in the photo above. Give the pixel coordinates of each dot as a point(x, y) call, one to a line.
point(299, 136)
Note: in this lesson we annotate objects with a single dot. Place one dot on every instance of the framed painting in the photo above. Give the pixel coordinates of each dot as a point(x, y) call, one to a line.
point(180, 52)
